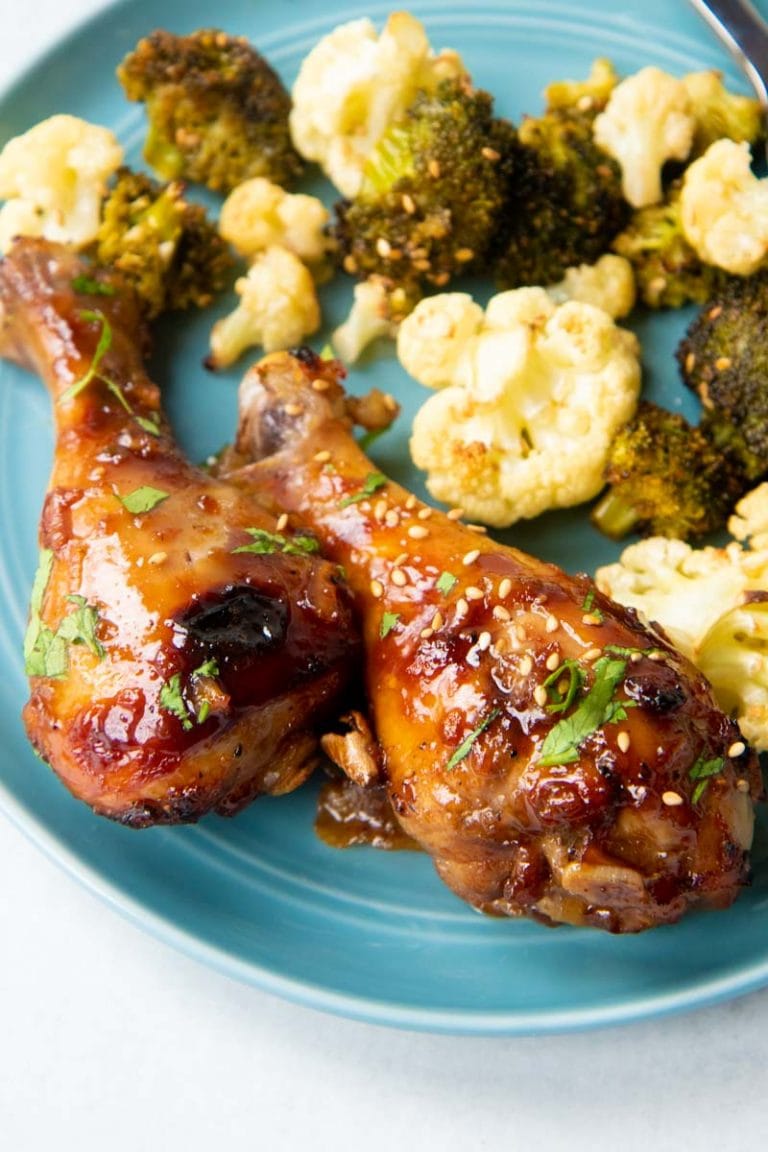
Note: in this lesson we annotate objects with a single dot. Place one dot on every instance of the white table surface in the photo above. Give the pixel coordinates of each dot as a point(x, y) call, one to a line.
point(112, 1041)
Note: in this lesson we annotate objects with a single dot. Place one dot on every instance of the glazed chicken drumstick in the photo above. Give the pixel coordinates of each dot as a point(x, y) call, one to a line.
point(553, 756)
point(183, 651)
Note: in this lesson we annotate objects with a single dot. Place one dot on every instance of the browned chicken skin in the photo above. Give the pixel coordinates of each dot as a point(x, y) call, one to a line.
point(556, 758)
point(171, 671)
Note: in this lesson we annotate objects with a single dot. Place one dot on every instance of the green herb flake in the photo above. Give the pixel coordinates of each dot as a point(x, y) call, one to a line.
point(372, 483)
point(588, 606)
point(46, 653)
point(79, 627)
point(703, 771)
point(149, 424)
point(142, 500)
point(560, 700)
point(103, 345)
point(203, 711)
point(208, 669)
point(369, 438)
point(265, 543)
point(446, 581)
point(562, 743)
point(172, 701)
point(88, 286)
point(465, 747)
point(326, 352)
point(388, 622)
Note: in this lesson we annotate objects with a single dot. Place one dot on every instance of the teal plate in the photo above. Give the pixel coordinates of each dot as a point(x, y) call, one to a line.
point(367, 934)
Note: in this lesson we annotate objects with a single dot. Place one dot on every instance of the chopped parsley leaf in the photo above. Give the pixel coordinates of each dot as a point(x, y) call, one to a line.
point(388, 622)
point(372, 483)
point(203, 711)
point(446, 582)
point(103, 345)
point(465, 747)
point(142, 499)
point(46, 653)
point(265, 543)
point(588, 606)
point(703, 771)
point(561, 700)
point(172, 701)
point(209, 668)
point(88, 286)
point(562, 743)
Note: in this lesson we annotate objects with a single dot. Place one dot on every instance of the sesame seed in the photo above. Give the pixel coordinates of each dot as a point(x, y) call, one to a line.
point(655, 655)
point(591, 654)
point(553, 661)
point(282, 521)
point(671, 799)
point(380, 509)
point(158, 558)
point(399, 578)
point(464, 255)
point(434, 169)
point(742, 785)
point(437, 621)
point(441, 278)
point(480, 529)
point(320, 385)
point(383, 247)
point(455, 513)
point(690, 360)
point(738, 748)
point(350, 265)
point(426, 633)
point(470, 557)
point(484, 641)
point(461, 607)
point(410, 502)
point(322, 457)
point(591, 619)
point(392, 518)
point(400, 560)
point(551, 624)
point(418, 532)
point(636, 657)
point(525, 667)
point(473, 593)
point(714, 312)
point(505, 588)
point(389, 402)
point(424, 513)
point(293, 409)
point(623, 741)
point(408, 204)
point(501, 613)
point(540, 695)
point(723, 363)
point(377, 589)
point(490, 154)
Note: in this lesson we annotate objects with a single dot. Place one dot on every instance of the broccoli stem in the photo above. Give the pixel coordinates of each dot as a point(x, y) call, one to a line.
point(613, 516)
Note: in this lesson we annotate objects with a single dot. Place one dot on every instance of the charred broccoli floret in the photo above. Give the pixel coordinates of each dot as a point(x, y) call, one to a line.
point(667, 270)
point(164, 246)
point(567, 203)
point(666, 478)
point(218, 113)
point(723, 358)
point(432, 194)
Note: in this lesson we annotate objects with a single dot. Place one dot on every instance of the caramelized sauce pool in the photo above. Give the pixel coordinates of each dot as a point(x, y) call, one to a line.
point(348, 814)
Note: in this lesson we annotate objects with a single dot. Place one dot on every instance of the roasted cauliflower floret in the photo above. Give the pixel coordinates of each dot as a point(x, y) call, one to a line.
point(278, 308)
point(53, 179)
point(369, 319)
point(724, 209)
point(533, 396)
point(259, 214)
point(608, 284)
point(750, 520)
point(354, 84)
point(713, 605)
point(647, 121)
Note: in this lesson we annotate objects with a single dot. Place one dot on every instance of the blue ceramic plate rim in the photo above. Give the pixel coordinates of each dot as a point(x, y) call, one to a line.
point(117, 896)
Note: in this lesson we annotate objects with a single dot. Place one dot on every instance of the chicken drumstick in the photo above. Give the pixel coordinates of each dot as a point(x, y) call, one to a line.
point(183, 650)
point(556, 758)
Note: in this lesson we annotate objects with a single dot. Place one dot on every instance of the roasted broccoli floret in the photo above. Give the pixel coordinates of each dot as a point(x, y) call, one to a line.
point(432, 194)
point(567, 203)
point(667, 270)
point(592, 93)
point(723, 358)
point(163, 245)
point(721, 114)
point(218, 113)
point(666, 478)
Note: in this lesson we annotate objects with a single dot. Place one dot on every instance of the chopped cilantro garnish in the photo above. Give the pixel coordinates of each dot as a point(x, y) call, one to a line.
point(142, 499)
point(588, 606)
point(88, 286)
point(388, 622)
point(46, 653)
point(465, 747)
point(203, 711)
point(562, 743)
point(703, 771)
point(103, 345)
point(264, 543)
point(561, 700)
point(172, 701)
point(371, 484)
point(371, 437)
point(149, 424)
point(446, 582)
point(209, 668)
point(79, 627)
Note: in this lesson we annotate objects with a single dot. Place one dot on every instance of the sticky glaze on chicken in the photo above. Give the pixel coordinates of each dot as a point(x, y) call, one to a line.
point(183, 650)
point(555, 757)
